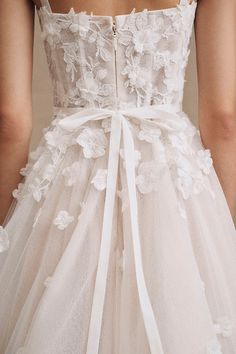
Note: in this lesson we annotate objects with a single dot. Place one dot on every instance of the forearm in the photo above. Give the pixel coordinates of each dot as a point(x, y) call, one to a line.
point(222, 143)
point(14, 147)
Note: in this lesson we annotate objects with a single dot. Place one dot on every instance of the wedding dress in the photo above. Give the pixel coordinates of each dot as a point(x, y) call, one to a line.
point(121, 240)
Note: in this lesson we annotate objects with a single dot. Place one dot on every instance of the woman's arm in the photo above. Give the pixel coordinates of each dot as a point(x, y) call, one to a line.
point(16, 43)
point(215, 29)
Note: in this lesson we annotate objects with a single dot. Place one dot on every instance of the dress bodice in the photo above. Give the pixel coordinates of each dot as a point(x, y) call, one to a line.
point(126, 61)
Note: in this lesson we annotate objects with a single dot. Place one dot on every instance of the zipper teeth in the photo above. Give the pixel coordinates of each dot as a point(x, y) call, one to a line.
point(114, 27)
point(115, 50)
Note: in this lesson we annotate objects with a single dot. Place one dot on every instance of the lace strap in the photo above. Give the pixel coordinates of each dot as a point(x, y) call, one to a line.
point(46, 4)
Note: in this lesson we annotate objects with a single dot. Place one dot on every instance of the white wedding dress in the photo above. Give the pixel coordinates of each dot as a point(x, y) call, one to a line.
point(121, 240)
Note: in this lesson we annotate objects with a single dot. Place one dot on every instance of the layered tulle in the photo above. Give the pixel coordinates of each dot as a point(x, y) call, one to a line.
point(48, 272)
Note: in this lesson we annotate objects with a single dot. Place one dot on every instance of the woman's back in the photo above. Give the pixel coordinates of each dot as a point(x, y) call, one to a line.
point(108, 7)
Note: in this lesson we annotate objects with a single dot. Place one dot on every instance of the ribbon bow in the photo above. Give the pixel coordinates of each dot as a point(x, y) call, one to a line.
point(165, 117)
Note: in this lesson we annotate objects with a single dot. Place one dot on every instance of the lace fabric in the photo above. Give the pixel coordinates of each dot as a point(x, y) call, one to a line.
point(133, 60)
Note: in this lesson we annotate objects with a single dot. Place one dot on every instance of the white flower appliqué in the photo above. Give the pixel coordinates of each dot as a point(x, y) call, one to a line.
point(149, 133)
point(204, 160)
point(149, 174)
point(214, 347)
point(4, 240)
point(63, 219)
point(93, 141)
point(35, 189)
point(17, 192)
point(79, 23)
point(136, 157)
point(71, 173)
point(100, 179)
point(224, 326)
point(145, 39)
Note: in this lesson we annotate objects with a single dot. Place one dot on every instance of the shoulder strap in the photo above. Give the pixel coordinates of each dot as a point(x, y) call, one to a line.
point(46, 4)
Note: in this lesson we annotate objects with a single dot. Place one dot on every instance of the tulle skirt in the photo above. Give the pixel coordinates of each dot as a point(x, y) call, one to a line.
point(186, 234)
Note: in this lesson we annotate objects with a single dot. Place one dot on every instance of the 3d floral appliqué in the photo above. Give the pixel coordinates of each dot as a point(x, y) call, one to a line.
point(148, 177)
point(136, 157)
point(224, 326)
point(71, 173)
point(214, 347)
point(100, 179)
point(149, 133)
point(204, 160)
point(63, 219)
point(93, 141)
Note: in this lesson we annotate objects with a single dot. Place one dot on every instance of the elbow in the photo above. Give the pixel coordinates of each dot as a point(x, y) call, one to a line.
point(15, 127)
point(221, 124)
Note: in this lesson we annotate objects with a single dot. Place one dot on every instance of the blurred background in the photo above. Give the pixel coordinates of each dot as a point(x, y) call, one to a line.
point(42, 92)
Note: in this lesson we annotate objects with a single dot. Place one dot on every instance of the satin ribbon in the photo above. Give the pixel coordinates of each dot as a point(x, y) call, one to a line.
point(164, 117)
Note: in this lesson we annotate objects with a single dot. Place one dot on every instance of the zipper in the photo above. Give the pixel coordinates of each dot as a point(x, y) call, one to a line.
point(115, 53)
point(114, 35)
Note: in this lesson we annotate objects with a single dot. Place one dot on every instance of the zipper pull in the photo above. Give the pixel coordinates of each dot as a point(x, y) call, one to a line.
point(114, 35)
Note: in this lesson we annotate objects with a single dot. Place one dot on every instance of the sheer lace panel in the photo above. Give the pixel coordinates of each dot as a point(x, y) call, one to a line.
point(145, 54)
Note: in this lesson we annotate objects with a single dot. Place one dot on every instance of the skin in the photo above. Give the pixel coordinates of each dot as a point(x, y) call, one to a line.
point(108, 7)
point(215, 29)
point(16, 43)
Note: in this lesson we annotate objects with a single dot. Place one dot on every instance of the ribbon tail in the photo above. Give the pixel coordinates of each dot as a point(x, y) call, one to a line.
point(145, 303)
point(103, 262)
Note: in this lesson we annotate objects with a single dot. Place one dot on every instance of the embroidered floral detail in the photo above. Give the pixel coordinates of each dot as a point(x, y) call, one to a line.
point(204, 160)
point(71, 173)
point(25, 170)
point(156, 38)
point(51, 31)
point(71, 32)
point(149, 133)
point(48, 172)
point(63, 219)
point(100, 179)
point(36, 189)
point(58, 139)
point(136, 157)
point(214, 347)
point(106, 125)
point(21, 350)
point(93, 141)
point(182, 139)
point(224, 326)
point(47, 282)
point(78, 23)
point(148, 37)
point(149, 174)
point(17, 192)
point(4, 240)
point(137, 77)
